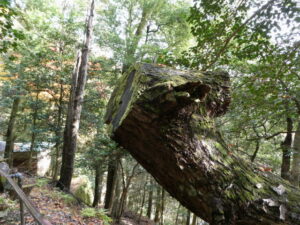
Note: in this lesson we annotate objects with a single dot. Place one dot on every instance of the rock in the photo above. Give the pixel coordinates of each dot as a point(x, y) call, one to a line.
point(81, 187)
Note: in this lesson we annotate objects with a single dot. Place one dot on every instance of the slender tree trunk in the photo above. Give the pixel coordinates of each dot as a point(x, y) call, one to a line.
point(58, 132)
point(256, 151)
point(150, 199)
point(194, 220)
point(117, 197)
point(286, 147)
point(188, 217)
point(143, 201)
point(177, 214)
point(295, 172)
point(126, 184)
point(110, 182)
point(33, 132)
point(157, 205)
point(10, 133)
point(98, 181)
point(121, 205)
point(162, 208)
point(133, 44)
point(75, 106)
point(165, 119)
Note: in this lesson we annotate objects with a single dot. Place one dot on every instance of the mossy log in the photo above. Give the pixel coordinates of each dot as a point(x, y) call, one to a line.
point(164, 118)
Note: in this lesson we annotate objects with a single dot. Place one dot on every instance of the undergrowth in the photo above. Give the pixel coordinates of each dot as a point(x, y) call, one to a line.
point(99, 213)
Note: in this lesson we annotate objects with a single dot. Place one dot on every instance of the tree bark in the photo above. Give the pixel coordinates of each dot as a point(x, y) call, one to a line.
point(157, 205)
point(286, 147)
point(126, 181)
point(110, 182)
point(58, 132)
point(134, 41)
point(295, 172)
point(256, 151)
point(98, 181)
point(162, 208)
point(164, 118)
point(10, 136)
point(177, 214)
point(116, 197)
point(150, 199)
point(143, 201)
point(34, 130)
point(194, 220)
point(188, 217)
point(75, 106)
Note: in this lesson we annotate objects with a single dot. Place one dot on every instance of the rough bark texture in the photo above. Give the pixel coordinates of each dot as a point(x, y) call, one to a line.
point(286, 147)
point(150, 200)
point(110, 182)
point(295, 171)
point(163, 117)
point(10, 137)
point(79, 78)
point(97, 190)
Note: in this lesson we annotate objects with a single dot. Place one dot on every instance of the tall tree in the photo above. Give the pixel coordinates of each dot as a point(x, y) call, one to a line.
point(111, 181)
point(10, 135)
point(150, 198)
point(286, 146)
point(145, 26)
point(79, 78)
point(295, 171)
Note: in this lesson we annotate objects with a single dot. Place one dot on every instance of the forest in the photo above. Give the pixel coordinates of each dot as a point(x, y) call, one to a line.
point(150, 112)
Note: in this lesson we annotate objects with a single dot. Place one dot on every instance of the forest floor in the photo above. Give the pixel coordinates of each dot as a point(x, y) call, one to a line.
point(56, 206)
point(59, 208)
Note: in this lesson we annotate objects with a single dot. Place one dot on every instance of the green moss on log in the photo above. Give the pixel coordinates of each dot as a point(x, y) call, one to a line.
point(150, 83)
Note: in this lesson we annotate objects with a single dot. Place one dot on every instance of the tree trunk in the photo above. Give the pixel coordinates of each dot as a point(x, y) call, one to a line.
point(162, 208)
point(286, 147)
point(295, 172)
point(150, 200)
point(194, 220)
point(143, 201)
point(131, 48)
point(177, 213)
point(116, 197)
point(33, 132)
point(110, 182)
point(125, 184)
point(58, 132)
point(75, 106)
point(10, 135)
point(164, 118)
point(157, 205)
point(256, 151)
point(188, 217)
point(98, 181)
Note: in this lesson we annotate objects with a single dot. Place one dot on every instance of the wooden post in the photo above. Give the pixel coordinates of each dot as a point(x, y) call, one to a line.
point(36, 215)
point(21, 202)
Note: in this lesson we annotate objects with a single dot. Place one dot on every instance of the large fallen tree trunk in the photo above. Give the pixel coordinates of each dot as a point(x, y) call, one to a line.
point(164, 118)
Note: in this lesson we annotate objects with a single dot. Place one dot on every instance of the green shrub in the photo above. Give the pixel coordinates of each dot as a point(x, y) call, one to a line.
point(40, 182)
point(89, 212)
point(99, 213)
point(66, 198)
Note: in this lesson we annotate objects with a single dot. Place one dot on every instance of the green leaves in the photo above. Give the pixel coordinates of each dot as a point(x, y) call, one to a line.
point(8, 34)
point(225, 30)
